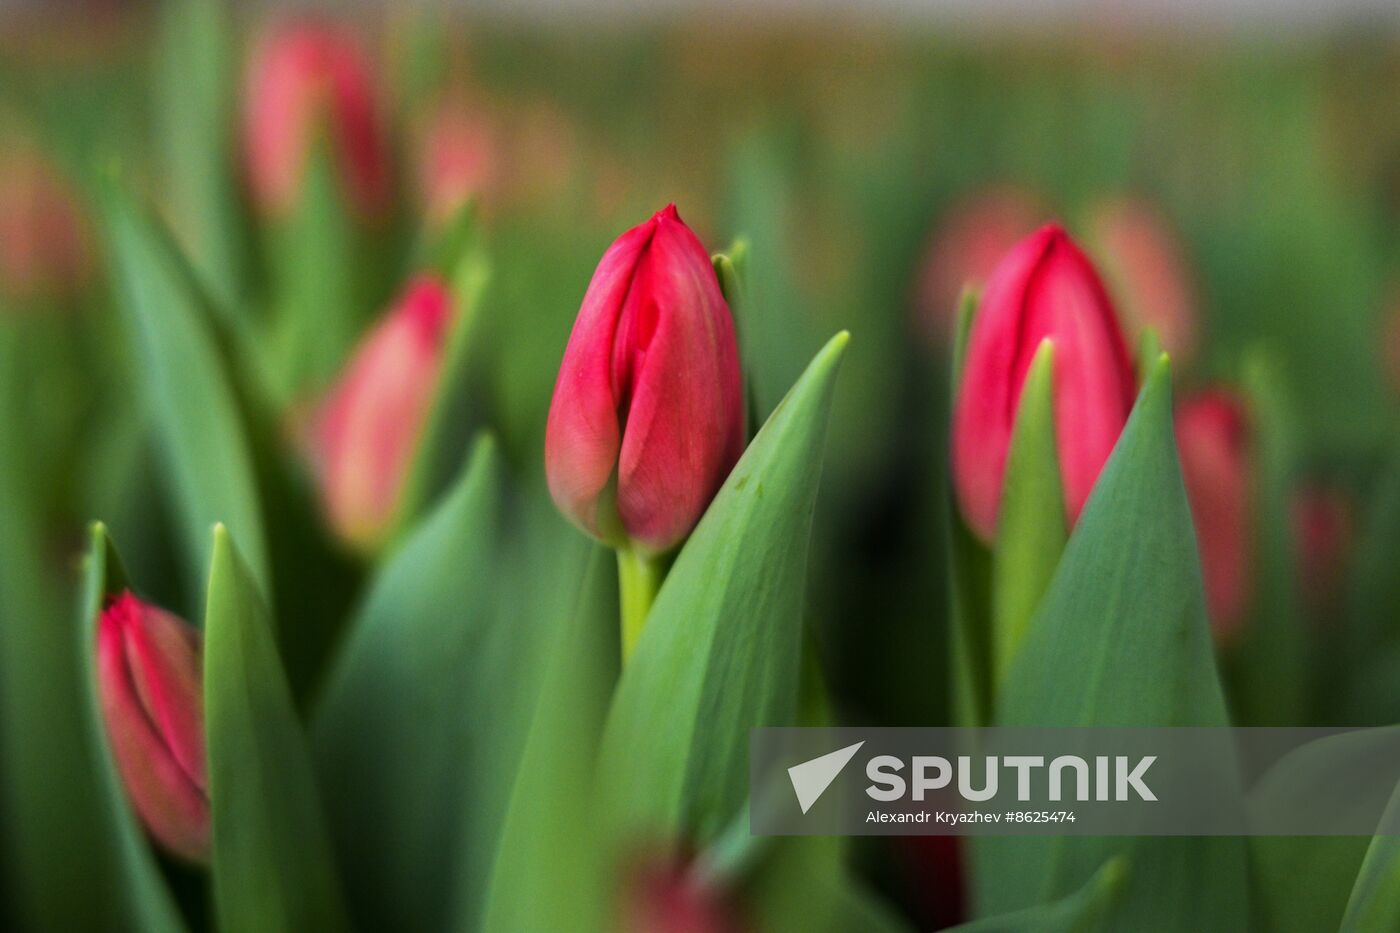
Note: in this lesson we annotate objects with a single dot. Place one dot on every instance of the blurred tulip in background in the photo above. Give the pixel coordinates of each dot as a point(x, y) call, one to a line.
point(365, 434)
point(668, 899)
point(1147, 273)
point(458, 158)
point(1324, 529)
point(966, 246)
point(308, 84)
point(1044, 289)
point(43, 246)
point(1212, 436)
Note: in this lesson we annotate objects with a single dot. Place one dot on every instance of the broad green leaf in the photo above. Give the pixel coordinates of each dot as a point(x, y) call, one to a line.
point(547, 874)
point(54, 876)
point(272, 865)
point(1330, 863)
point(721, 650)
point(195, 87)
point(971, 624)
point(1084, 911)
point(1375, 900)
point(422, 722)
point(143, 889)
point(1268, 667)
point(970, 620)
point(186, 388)
point(1121, 639)
point(803, 887)
point(1031, 528)
point(395, 727)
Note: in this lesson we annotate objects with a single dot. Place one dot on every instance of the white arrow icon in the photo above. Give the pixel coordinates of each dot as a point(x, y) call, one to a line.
point(811, 778)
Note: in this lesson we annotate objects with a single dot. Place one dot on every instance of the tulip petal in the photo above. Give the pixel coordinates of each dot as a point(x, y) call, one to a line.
point(172, 807)
point(583, 436)
point(682, 436)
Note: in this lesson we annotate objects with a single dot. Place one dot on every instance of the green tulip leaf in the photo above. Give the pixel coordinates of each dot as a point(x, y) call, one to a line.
point(1268, 667)
point(1121, 639)
point(721, 650)
point(1083, 911)
point(196, 91)
point(962, 332)
point(802, 886)
point(1031, 525)
point(547, 875)
point(318, 279)
point(1329, 862)
point(187, 389)
point(1375, 900)
point(458, 399)
point(63, 860)
point(272, 864)
point(142, 886)
point(420, 727)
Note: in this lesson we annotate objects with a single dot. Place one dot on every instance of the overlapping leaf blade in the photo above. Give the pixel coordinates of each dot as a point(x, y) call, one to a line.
point(1121, 639)
point(187, 389)
point(722, 646)
point(547, 874)
point(272, 864)
point(421, 725)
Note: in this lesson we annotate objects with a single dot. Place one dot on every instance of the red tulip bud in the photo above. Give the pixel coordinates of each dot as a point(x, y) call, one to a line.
point(1045, 289)
point(150, 684)
point(1149, 273)
point(669, 899)
point(1212, 436)
point(309, 80)
point(367, 430)
point(648, 413)
point(965, 250)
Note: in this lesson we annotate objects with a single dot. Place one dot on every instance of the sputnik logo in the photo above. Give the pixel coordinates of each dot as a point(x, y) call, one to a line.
point(811, 778)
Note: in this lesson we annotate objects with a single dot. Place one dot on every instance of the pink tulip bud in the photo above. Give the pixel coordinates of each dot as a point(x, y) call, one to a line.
point(368, 427)
point(1045, 289)
point(1148, 272)
point(1212, 437)
point(648, 412)
point(43, 248)
point(668, 899)
point(149, 679)
point(309, 80)
point(457, 159)
point(964, 251)
point(1324, 529)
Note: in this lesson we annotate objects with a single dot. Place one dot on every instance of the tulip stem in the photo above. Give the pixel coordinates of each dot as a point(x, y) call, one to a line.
point(639, 578)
